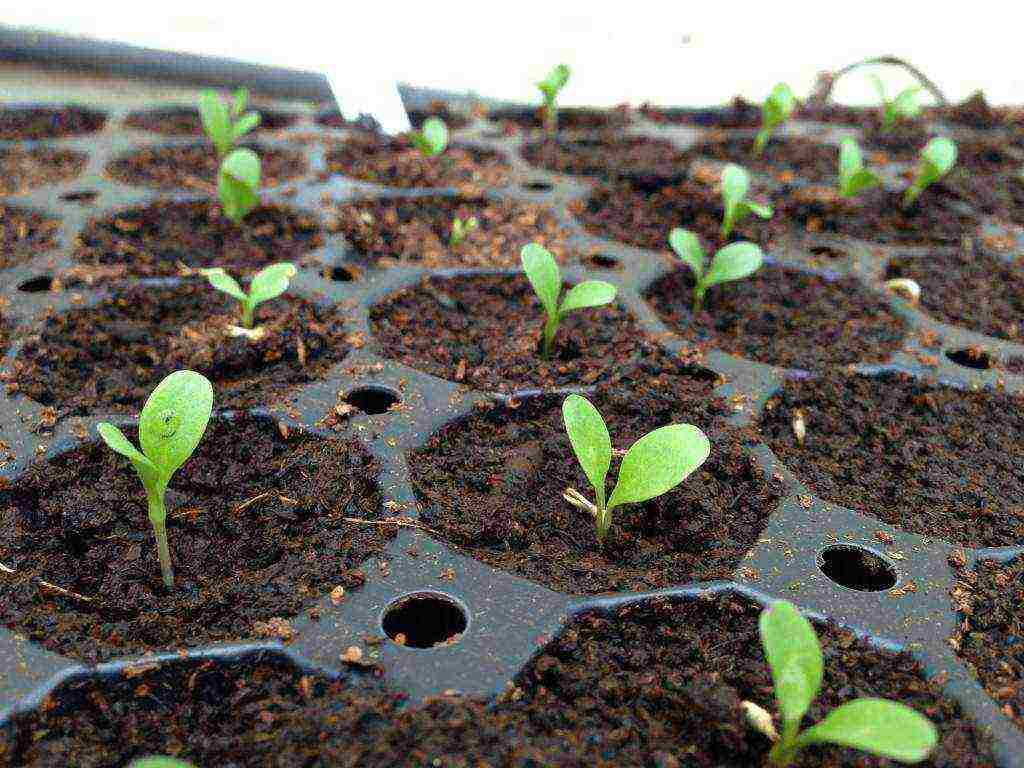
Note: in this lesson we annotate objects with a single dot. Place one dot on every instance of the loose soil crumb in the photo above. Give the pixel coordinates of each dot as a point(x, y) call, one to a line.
point(737, 114)
point(24, 170)
point(185, 121)
point(643, 160)
point(195, 167)
point(24, 234)
point(784, 158)
point(48, 123)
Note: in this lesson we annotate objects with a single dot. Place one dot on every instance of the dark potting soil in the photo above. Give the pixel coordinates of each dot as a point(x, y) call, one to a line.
point(24, 170)
point(569, 118)
point(787, 159)
point(739, 113)
point(990, 636)
point(194, 168)
point(492, 486)
point(416, 231)
point(24, 234)
point(48, 123)
point(783, 317)
point(837, 114)
point(255, 525)
point(454, 120)
point(484, 331)
point(154, 240)
point(397, 163)
point(975, 112)
point(929, 459)
point(185, 121)
point(108, 358)
point(643, 160)
point(654, 685)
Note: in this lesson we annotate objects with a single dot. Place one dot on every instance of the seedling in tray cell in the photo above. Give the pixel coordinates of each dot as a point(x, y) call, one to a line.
point(733, 262)
point(269, 283)
point(937, 159)
point(460, 229)
point(171, 424)
point(549, 88)
point(854, 178)
point(654, 464)
point(238, 184)
point(735, 186)
point(904, 107)
point(774, 112)
point(543, 273)
point(159, 761)
point(225, 123)
point(878, 726)
point(433, 139)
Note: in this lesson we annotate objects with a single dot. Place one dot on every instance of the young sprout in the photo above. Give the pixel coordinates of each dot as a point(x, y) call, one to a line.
point(238, 184)
point(854, 178)
point(878, 726)
point(269, 283)
point(159, 761)
point(904, 107)
point(433, 139)
point(735, 185)
point(549, 88)
point(460, 229)
point(171, 425)
point(654, 464)
point(937, 158)
point(225, 125)
point(543, 273)
point(733, 262)
point(774, 112)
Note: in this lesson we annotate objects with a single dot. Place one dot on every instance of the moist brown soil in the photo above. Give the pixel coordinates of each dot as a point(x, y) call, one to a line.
point(739, 113)
point(155, 240)
point(48, 123)
point(185, 121)
point(569, 118)
point(929, 459)
point(653, 685)
point(396, 163)
point(454, 120)
point(968, 288)
point(333, 119)
point(416, 231)
point(784, 317)
point(195, 167)
point(990, 635)
point(492, 486)
point(24, 234)
point(108, 358)
point(255, 527)
point(24, 170)
point(786, 159)
point(975, 112)
point(642, 160)
point(484, 331)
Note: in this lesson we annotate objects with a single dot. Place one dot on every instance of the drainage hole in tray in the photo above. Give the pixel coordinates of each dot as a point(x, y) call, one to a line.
point(603, 261)
point(39, 284)
point(537, 186)
point(978, 359)
point(85, 196)
point(341, 274)
point(372, 399)
point(424, 620)
point(857, 568)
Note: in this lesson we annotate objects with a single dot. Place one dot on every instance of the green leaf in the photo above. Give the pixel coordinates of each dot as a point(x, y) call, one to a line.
point(778, 106)
point(159, 761)
point(879, 87)
point(216, 121)
point(688, 248)
point(555, 81)
point(940, 154)
point(658, 462)
point(591, 293)
point(174, 419)
point(850, 159)
point(861, 180)
point(794, 656)
point(735, 184)
point(222, 281)
point(245, 123)
point(906, 104)
point(238, 183)
point(758, 209)
point(270, 282)
point(542, 272)
point(878, 726)
point(117, 442)
point(734, 262)
point(239, 101)
point(434, 137)
point(590, 440)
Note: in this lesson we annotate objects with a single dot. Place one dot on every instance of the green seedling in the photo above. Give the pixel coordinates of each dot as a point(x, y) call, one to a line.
point(774, 112)
point(159, 761)
point(461, 228)
point(937, 159)
point(654, 464)
point(733, 262)
point(238, 184)
point(904, 107)
point(225, 123)
point(432, 140)
point(549, 88)
point(878, 726)
point(171, 424)
point(735, 186)
point(543, 273)
point(269, 283)
point(854, 178)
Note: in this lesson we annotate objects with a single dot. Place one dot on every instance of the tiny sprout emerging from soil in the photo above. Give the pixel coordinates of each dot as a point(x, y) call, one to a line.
point(238, 184)
point(460, 229)
point(159, 761)
point(433, 139)
point(543, 273)
point(654, 464)
point(735, 185)
point(937, 159)
point(225, 124)
point(172, 422)
point(906, 287)
point(774, 112)
point(733, 262)
point(549, 88)
point(854, 178)
point(878, 726)
point(269, 283)
point(904, 107)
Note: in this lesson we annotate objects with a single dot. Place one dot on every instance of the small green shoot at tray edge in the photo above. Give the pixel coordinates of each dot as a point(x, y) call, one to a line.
point(854, 178)
point(159, 761)
point(224, 123)
point(269, 283)
point(735, 186)
point(550, 87)
point(732, 262)
point(238, 183)
point(904, 107)
point(937, 159)
point(432, 139)
point(460, 229)
point(776, 110)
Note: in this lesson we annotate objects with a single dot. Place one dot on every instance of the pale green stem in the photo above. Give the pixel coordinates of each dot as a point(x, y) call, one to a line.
point(912, 193)
point(248, 309)
point(158, 518)
point(761, 140)
point(551, 117)
point(785, 749)
point(550, 326)
point(698, 297)
point(604, 515)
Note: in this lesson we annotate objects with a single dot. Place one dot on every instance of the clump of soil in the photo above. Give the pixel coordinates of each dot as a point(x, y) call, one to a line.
point(492, 486)
point(975, 112)
point(838, 114)
point(397, 163)
point(24, 170)
point(454, 120)
point(416, 231)
point(256, 531)
point(739, 113)
point(154, 240)
point(108, 358)
point(644, 160)
point(48, 123)
point(24, 234)
point(185, 121)
point(569, 118)
point(784, 158)
point(647, 685)
point(990, 603)
point(484, 331)
point(195, 167)
point(783, 317)
point(930, 459)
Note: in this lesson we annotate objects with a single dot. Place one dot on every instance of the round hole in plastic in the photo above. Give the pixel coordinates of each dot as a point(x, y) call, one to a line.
point(978, 359)
point(372, 399)
point(40, 284)
point(857, 568)
point(424, 620)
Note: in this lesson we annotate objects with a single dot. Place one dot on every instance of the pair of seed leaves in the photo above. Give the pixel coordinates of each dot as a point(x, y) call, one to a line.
point(735, 186)
point(432, 139)
point(554, 82)
point(774, 112)
point(269, 283)
point(225, 124)
point(937, 159)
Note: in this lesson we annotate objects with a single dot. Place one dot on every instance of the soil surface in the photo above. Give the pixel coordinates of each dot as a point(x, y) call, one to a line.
point(185, 121)
point(416, 231)
point(48, 123)
point(737, 114)
point(484, 331)
point(656, 685)
point(155, 240)
point(24, 170)
point(454, 120)
point(569, 118)
point(24, 234)
point(975, 112)
point(642, 160)
point(783, 317)
point(493, 485)
point(787, 159)
point(256, 532)
point(929, 459)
